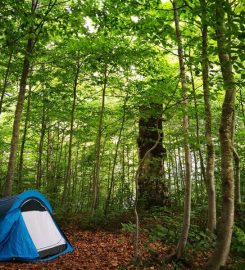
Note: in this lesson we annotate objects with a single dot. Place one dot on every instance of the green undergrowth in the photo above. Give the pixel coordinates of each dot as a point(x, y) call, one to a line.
point(163, 226)
point(110, 222)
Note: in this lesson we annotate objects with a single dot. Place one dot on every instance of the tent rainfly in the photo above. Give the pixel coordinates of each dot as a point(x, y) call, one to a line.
point(28, 231)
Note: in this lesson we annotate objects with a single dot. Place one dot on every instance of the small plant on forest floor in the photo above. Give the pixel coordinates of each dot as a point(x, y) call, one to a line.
point(238, 242)
point(200, 239)
point(128, 227)
point(162, 233)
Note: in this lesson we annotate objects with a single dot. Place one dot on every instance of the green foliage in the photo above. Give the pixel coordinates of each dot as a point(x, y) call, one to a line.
point(114, 221)
point(200, 240)
point(238, 242)
point(137, 42)
point(164, 234)
point(128, 227)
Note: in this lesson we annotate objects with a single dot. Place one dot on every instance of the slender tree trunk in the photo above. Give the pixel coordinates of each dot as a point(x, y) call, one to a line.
point(22, 148)
point(197, 126)
point(60, 150)
point(5, 81)
point(54, 185)
point(169, 183)
point(209, 178)
point(68, 168)
point(133, 188)
point(173, 167)
point(223, 242)
point(242, 107)
point(112, 179)
point(177, 178)
point(96, 171)
point(181, 171)
point(49, 152)
point(196, 177)
point(18, 110)
point(81, 192)
point(40, 146)
point(123, 176)
point(73, 196)
point(237, 179)
point(187, 202)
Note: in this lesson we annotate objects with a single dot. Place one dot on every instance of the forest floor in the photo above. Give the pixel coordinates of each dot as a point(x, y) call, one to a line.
point(101, 250)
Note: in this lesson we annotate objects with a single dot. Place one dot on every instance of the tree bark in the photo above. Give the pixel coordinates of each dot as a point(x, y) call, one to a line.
point(60, 148)
point(112, 178)
point(137, 255)
point(73, 195)
point(40, 146)
point(177, 177)
point(49, 152)
point(242, 107)
point(152, 189)
point(180, 165)
point(209, 177)
point(96, 171)
point(18, 110)
point(187, 202)
point(5, 81)
point(223, 242)
point(22, 148)
point(68, 169)
point(237, 179)
point(196, 177)
point(197, 126)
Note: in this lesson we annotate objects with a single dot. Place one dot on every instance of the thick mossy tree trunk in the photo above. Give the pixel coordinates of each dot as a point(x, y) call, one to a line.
point(152, 188)
point(223, 242)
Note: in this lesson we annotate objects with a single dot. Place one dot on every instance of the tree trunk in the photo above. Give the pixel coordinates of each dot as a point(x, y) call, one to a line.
point(181, 171)
point(177, 178)
point(242, 107)
point(137, 254)
point(187, 202)
point(197, 126)
point(237, 176)
point(18, 111)
point(19, 183)
point(49, 152)
point(237, 179)
point(59, 158)
point(112, 179)
point(196, 177)
point(121, 201)
point(209, 178)
point(5, 81)
point(68, 169)
point(223, 242)
point(40, 146)
point(73, 195)
point(152, 189)
point(96, 171)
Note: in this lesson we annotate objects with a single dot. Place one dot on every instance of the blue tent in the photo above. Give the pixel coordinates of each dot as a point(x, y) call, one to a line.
point(28, 231)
